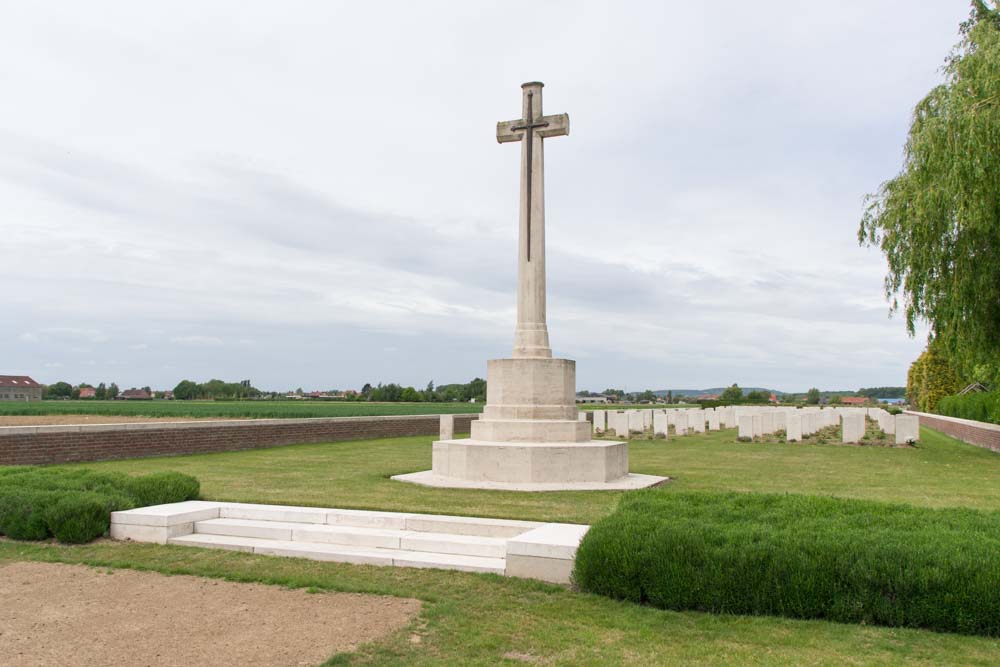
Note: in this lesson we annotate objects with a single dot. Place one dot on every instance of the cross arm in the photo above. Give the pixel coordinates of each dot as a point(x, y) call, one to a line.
point(555, 125)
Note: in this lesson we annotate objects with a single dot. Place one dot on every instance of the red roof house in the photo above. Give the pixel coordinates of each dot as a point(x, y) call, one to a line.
point(19, 388)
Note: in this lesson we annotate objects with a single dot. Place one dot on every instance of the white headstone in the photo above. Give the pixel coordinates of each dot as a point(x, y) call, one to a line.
point(853, 427)
point(745, 426)
point(600, 421)
point(767, 422)
point(758, 425)
point(907, 429)
point(780, 420)
point(660, 424)
point(713, 420)
point(696, 420)
point(793, 427)
point(680, 423)
point(447, 428)
point(635, 421)
point(582, 416)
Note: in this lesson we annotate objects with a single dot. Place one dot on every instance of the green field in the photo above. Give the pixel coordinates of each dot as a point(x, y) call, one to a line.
point(234, 409)
point(487, 620)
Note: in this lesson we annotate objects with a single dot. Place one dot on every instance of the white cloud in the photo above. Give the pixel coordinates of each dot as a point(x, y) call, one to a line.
point(701, 218)
point(196, 340)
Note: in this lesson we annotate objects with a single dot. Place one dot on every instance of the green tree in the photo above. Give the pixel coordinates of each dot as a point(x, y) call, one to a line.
point(731, 394)
point(58, 390)
point(101, 392)
point(113, 391)
point(812, 396)
point(186, 390)
point(938, 222)
point(757, 396)
point(411, 395)
point(931, 377)
point(647, 395)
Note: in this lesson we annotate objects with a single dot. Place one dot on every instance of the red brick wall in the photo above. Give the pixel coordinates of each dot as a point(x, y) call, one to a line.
point(43, 445)
point(966, 430)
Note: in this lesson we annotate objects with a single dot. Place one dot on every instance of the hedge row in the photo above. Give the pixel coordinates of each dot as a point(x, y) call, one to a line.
point(799, 556)
point(983, 407)
point(75, 505)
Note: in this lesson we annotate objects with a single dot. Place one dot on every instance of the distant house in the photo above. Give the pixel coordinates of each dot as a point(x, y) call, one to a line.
point(19, 388)
point(707, 397)
point(773, 398)
point(591, 400)
point(135, 395)
point(88, 392)
point(853, 400)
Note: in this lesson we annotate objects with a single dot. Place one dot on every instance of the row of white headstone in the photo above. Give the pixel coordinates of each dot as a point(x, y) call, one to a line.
point(754, 421)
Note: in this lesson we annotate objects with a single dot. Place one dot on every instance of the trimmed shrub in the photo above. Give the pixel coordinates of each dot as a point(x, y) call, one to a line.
point(162, 487)
point(22, 513)
point(799, 556)
point(79, 516)
point(983, 407)
point(75, 504)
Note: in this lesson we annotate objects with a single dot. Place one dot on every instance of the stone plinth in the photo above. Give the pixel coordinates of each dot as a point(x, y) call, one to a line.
point(475, 460)
point(530, 437)
point(531, 400)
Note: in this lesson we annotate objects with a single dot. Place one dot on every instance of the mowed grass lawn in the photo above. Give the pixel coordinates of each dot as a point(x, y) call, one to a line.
point(487, 620)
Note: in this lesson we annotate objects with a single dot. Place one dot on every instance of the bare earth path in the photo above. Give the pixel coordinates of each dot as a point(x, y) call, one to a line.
point(75, 615)
point(61, 420)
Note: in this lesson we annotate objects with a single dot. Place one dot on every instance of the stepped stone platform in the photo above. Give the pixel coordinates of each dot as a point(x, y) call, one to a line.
point(526, 549)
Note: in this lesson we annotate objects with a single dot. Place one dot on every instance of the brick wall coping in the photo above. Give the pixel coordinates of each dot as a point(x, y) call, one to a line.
point(986, 426)
point(209, 423)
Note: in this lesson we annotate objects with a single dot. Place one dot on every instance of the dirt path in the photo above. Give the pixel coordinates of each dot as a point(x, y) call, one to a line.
point(56, 614)
point(53, 420)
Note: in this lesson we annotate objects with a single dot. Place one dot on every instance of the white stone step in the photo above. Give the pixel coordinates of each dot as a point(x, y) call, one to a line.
point(359, 536)
point(374, 519)
point(343, 553)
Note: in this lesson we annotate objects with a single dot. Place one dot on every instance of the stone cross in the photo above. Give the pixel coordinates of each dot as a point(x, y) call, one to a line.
point(531, 338)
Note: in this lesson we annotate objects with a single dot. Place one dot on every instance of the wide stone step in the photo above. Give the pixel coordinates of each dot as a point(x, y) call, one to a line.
point(357, 536)
point(531, 549)
point(343, 553)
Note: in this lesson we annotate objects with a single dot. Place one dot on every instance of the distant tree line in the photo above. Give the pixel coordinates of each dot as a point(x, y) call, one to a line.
point(213, 389)
point(61, 390)
point(446, 393)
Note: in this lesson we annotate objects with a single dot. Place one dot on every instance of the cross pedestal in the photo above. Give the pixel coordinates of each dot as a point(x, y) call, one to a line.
point(529, 436)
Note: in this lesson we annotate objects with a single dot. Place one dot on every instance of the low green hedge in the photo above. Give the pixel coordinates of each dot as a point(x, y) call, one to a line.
point(75, 505)
point(849, 561)
point(983, 407)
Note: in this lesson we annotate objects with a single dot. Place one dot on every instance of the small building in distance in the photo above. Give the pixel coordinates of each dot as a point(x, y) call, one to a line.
point(592, 399)
point(19, 388)
point(88, 392)
point(135, 395)
point(853, 400)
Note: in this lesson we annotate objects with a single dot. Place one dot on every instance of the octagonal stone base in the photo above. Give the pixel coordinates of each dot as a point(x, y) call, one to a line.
point(530, 466)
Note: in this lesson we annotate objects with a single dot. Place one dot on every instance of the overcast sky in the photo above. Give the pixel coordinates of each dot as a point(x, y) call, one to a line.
point(311, 193)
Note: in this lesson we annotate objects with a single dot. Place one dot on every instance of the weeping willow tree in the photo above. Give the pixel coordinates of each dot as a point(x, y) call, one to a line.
point(938, 221)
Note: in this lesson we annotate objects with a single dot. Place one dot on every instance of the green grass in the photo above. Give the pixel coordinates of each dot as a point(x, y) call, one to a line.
point(234, 409)
point(940, 472)
point(478, 619)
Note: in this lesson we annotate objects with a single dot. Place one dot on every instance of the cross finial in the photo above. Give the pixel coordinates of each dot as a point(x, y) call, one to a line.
point(531, 126)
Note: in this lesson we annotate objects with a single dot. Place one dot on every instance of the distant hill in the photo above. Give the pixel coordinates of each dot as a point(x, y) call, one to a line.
point(711, 390)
